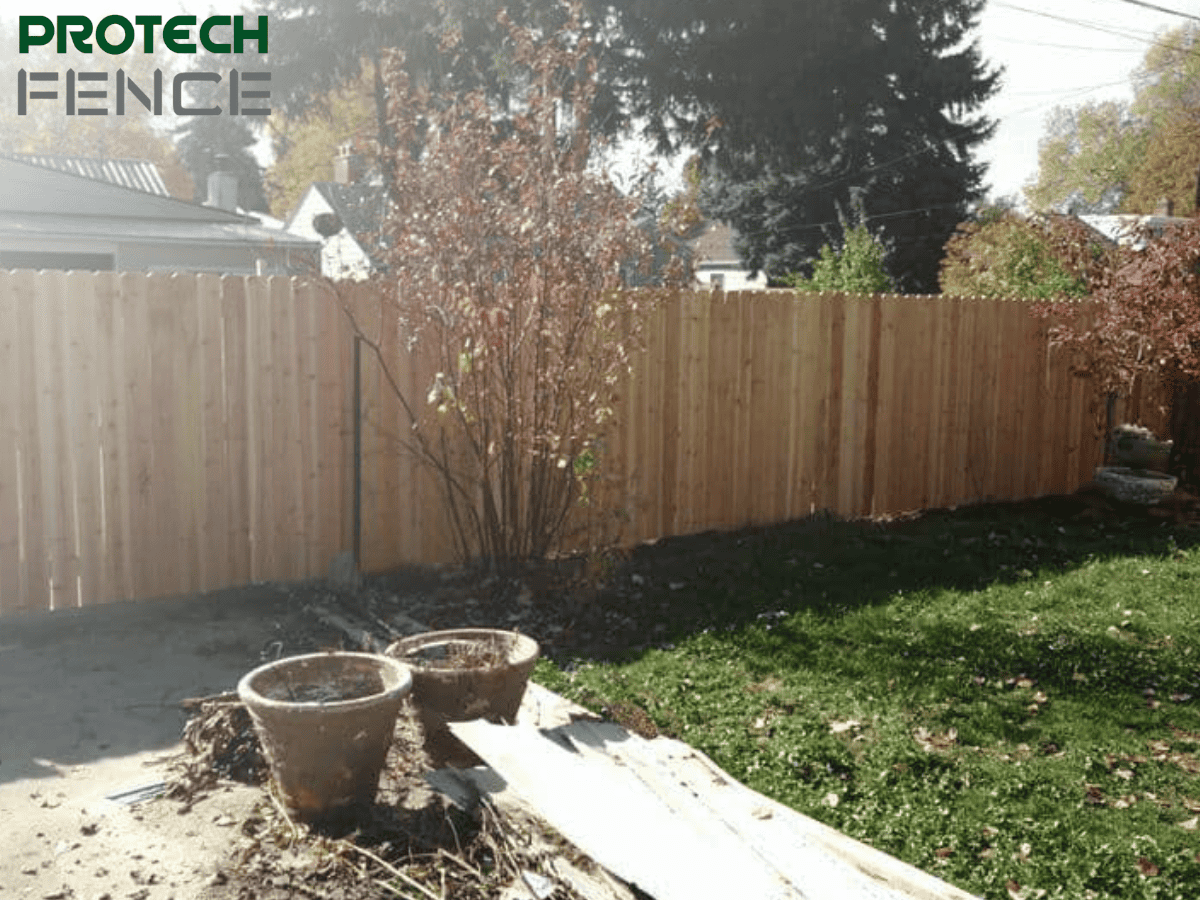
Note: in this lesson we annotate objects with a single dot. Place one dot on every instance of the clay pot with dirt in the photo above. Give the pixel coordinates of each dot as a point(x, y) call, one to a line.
point(325, 721)
point(463, 674)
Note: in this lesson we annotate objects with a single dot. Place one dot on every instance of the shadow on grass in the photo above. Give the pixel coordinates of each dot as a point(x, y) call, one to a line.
point(830, 567)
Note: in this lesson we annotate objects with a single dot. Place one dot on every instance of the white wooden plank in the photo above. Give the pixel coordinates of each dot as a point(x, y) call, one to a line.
point(465, 787)
point(610, 814)
point(663, 816)
point(773, 828)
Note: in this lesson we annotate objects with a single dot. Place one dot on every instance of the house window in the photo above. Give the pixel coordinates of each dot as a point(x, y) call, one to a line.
point(38, 259)
point(717, 279)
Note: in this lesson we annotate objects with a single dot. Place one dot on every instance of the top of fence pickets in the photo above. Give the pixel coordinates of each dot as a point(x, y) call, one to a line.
point(334, 287)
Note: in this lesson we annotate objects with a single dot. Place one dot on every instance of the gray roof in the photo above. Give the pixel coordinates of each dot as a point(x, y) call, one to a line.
point(139, 174)
point(40, 201)
point(714, 246)
point(148, 231)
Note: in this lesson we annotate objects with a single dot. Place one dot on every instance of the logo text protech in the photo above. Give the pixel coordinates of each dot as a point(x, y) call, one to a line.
point(176, 36)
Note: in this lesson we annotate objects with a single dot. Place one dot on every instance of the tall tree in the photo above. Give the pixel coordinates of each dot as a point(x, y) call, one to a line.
point(1086, 158)
point(802, 111)
point(306, 144)
point(796, 108)
point(1168, 101)
point(1113, 156)
point(223, 143)
point(320, 46)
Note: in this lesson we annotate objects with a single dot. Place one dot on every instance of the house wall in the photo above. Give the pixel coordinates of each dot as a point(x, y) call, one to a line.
point(341, 256)
point(232, 259)
point(177, 256)
point(729, 278)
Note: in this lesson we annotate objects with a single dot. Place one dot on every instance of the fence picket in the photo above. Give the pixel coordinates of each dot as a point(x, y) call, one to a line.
point(162, 434)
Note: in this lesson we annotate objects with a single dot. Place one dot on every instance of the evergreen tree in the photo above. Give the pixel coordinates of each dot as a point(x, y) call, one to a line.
point(799, 107)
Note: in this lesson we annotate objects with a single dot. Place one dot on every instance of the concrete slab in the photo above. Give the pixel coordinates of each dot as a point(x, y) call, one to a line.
point(89, 709)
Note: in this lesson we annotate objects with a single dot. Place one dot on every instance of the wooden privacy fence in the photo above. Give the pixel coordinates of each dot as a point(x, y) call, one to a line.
point(753, 408)
point(165, 434)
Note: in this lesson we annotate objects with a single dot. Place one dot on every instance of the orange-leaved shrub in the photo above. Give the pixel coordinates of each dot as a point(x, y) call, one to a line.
point(506, 250)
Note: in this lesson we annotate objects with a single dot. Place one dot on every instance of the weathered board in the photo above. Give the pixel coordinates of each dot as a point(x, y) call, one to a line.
point(663, 816)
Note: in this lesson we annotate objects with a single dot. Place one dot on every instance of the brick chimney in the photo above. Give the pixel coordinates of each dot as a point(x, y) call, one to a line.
point(347, 165)
point(1166, 207)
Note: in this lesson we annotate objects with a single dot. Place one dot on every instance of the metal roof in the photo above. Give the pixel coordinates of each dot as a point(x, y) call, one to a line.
point(37, 189)
point(138, 174)
point(148, 231)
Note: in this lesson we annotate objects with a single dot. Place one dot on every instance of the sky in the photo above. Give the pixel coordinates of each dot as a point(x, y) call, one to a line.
point(1054, 53)
point(1059, 53)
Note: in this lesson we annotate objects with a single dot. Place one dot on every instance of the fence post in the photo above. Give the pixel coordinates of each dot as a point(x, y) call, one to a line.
point(356, 514)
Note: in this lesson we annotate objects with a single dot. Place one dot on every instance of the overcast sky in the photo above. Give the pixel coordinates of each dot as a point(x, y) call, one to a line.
point(1054, 52)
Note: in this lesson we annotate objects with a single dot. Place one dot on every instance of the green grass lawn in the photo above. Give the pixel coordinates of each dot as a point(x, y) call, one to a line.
point(1005, 697)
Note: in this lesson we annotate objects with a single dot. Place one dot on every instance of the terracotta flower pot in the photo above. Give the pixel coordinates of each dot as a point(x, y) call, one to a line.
point(326, 721)
point(463, 674)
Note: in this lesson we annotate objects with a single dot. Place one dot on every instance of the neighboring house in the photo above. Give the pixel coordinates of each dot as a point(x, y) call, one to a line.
point(116, 215)
point(717, 264)
point(1129, 230)
point(346, 216)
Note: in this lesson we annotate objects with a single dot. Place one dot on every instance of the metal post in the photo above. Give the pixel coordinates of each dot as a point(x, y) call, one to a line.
point(356, 547)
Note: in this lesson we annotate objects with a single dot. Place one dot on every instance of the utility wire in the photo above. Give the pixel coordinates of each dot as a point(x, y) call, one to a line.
point(1162, 9)
point(1079, 22)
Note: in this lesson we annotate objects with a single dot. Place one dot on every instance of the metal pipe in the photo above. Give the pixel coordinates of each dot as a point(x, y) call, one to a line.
point(356, 547)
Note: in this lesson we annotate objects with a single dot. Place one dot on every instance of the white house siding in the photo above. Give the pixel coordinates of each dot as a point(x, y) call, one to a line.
point(341, 255)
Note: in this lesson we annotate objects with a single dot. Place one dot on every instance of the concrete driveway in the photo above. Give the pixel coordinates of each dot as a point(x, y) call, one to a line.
point(88, 713)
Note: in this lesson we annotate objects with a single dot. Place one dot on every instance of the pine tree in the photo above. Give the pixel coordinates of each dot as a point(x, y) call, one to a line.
point(802, 109)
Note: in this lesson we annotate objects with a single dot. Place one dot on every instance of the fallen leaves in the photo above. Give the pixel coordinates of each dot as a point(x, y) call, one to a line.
point(1016, 892)
point(932, 742)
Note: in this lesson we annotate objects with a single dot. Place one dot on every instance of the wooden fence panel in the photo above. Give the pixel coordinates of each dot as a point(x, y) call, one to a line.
point(166, 434)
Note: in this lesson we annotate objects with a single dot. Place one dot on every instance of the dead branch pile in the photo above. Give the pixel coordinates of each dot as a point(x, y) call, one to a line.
point(220, 743)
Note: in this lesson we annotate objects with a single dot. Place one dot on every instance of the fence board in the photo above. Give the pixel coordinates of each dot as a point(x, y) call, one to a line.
point(162, 434)
point(188, 445)
point(36, 562)
point(85, 447)
point(53, 449)
point(13, 592)
point(671, 416)
point(809, 399)
point(212, 509)
point(236, 453)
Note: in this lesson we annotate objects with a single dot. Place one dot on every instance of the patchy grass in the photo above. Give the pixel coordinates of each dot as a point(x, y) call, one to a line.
point(1005, 697)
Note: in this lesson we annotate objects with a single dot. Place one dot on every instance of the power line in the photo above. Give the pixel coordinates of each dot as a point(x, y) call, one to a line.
point(1024, 43)
point(1090, 25)
point(1162, 9)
